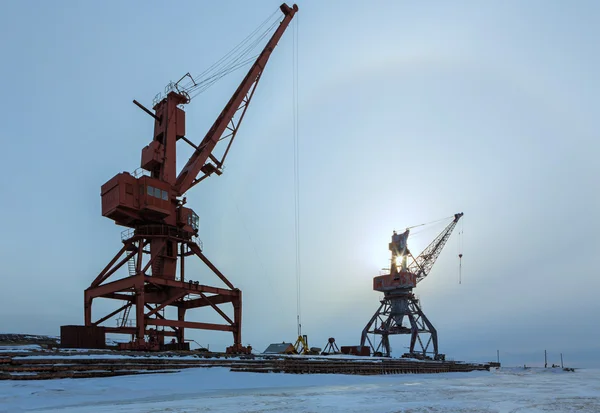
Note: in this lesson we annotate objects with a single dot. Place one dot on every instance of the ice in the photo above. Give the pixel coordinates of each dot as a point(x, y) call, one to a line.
point(514, 390)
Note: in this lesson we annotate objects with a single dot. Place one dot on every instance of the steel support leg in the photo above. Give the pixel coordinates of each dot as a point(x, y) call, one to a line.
point(139, 313)
point(181, 330)
point(237, 319)
point(364, 336)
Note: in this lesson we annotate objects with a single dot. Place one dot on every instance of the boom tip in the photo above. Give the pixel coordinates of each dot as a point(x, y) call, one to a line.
point(287, 9)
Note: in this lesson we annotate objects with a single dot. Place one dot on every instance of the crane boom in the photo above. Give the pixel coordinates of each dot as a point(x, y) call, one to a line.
point(202, 160)
point(424, 262)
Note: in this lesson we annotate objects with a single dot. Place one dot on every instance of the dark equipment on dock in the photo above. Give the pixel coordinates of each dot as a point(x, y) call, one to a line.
point(356, 350)
point(331, 347)
point(82, 337)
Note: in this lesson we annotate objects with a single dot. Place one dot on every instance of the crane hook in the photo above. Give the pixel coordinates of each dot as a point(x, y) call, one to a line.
point(459, 268)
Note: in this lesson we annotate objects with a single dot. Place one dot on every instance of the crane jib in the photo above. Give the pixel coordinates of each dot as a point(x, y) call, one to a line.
point(239, 101)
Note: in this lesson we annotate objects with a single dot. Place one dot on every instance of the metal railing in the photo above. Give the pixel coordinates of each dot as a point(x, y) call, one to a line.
point(160, 230)
point(124, 322)
point(163, 230)
point(196, 239)
point(127, 233)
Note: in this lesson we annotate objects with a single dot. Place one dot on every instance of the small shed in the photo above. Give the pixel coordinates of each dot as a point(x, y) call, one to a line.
point(356, 350)
point(280, 348)
point(82, 337)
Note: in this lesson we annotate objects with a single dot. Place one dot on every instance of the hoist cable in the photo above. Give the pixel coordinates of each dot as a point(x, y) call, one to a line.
point(460, 249)
point(296, 172)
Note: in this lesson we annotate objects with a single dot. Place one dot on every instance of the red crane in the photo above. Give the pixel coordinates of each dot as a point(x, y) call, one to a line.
point(399, 302)
point(163, 232)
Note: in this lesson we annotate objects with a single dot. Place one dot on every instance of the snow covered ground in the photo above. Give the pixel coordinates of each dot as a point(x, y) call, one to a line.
point(219, 390)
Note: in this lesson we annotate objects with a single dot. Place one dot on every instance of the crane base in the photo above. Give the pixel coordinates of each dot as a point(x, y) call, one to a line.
point(145, 297)
point(387, 320)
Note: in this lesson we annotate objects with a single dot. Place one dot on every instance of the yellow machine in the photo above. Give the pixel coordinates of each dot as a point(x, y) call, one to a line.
point(301, 345)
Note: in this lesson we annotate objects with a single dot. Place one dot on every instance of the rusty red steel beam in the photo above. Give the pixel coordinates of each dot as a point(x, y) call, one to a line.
point(151, 261)
point(110, 264)
point(190, 324)
point(166, 303)
point(132, 331)
point(117, 296)
point(106, 317)
point(161, 317)
point(140, 256)
point(192, 287)
point(201, 302)
point(101, 277)
point(196, 250)
point(116, 267)
point(217, 309)
point(120, 330)
point(182, 262)
point(112, 287)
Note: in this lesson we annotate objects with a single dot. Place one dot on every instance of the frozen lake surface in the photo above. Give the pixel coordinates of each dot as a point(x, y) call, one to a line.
point(219, 390)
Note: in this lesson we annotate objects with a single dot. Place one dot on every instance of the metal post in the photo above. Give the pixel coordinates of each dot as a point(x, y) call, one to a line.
point(561, 361)
point(545, 360)
point(139, 307)
point(498, 355)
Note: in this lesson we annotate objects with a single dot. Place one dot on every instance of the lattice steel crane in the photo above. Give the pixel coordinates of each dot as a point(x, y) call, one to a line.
point(399, 302)
point(162, 232)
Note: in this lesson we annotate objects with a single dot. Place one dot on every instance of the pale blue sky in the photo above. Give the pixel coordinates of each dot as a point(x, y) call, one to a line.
point(409, 112)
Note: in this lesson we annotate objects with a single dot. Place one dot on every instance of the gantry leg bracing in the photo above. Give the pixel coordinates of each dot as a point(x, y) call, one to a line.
point(388, 320)
point(153, 285)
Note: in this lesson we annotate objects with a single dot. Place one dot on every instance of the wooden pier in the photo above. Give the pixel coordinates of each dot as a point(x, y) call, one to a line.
point(81, 365)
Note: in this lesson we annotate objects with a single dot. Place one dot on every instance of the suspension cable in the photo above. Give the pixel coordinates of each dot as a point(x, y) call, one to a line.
point(431, 222)
point(235, 59)
point(236, 48)
point(235, 64)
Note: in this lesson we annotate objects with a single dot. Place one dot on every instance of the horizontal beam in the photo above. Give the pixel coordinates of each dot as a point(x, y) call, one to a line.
point(133, 331)
point(191, 287)
point(113, 287)
point(202, 302)
point(118, 296)
point(190, 324)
